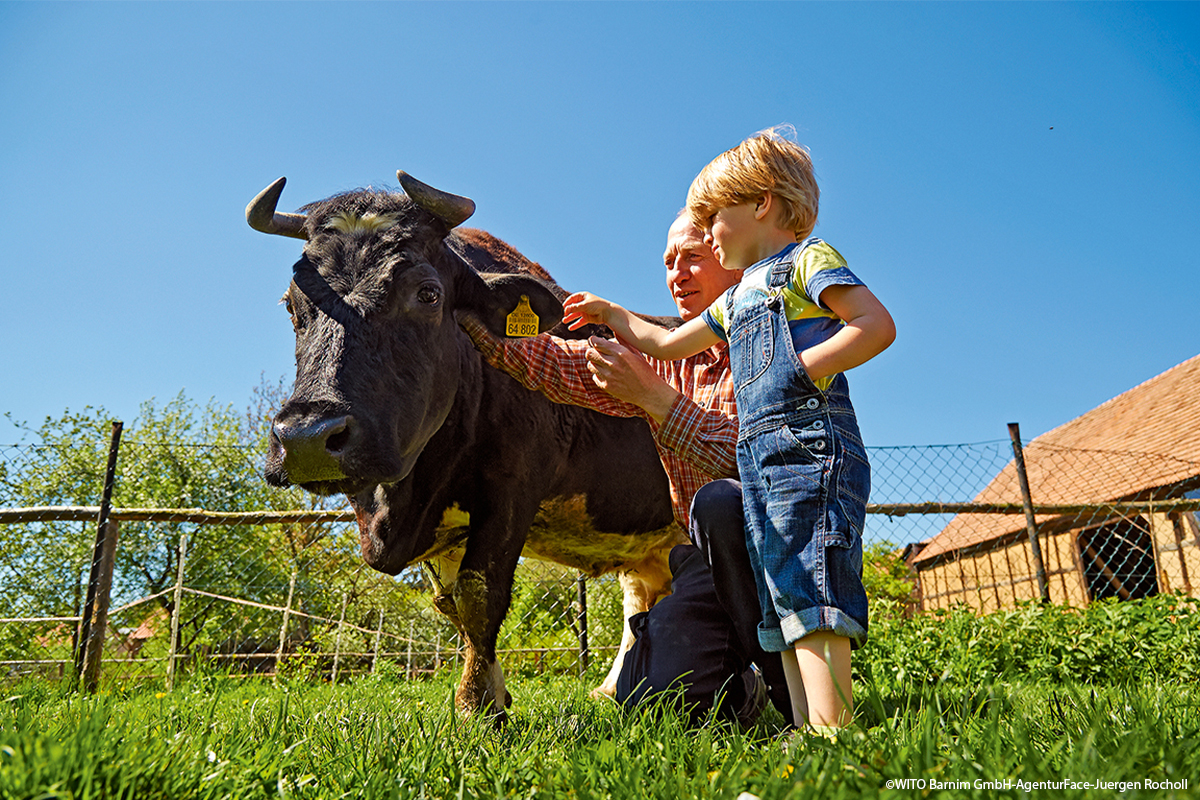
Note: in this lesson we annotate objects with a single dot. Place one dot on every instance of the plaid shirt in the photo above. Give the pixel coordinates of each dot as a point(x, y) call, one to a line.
point(696, 442)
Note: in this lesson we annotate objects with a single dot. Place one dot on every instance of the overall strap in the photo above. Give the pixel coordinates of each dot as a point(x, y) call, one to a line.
point(781, 271)
point(780, 274)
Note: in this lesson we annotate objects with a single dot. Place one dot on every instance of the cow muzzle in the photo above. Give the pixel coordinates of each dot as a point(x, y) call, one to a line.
point(310, 451)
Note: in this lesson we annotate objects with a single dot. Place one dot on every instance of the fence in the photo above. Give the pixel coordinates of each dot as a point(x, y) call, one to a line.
point(271, 582)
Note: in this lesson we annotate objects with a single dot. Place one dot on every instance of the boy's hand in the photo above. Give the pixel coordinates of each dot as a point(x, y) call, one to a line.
point(583, 308)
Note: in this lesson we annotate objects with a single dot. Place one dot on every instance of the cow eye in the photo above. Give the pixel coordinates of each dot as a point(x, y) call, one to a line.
point(428, 295)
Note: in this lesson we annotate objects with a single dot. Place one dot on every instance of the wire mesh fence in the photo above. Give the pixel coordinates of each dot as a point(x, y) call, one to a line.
point(271, 582)
point(1108, 524)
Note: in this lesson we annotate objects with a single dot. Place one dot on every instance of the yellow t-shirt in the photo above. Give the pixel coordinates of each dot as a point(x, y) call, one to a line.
point(815, 267)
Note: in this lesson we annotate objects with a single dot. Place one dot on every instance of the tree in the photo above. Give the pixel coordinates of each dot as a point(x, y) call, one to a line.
point(179, 455)
point(887, 579)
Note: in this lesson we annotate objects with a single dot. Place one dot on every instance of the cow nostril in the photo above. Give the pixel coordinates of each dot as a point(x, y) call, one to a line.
point(337, 440)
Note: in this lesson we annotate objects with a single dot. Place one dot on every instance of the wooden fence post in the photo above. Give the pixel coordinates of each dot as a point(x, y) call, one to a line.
point(176, 612)
point(1014, 432)
point(94, 644)
point(87, 657)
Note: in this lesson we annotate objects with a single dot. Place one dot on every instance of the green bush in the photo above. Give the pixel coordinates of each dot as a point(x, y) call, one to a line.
point(1110, 642)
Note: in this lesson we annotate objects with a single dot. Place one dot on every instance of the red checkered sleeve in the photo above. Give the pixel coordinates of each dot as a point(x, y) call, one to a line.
point(706, 436)
point(555, 367)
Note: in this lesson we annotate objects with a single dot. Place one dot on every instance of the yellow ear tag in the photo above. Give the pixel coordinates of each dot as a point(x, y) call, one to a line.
point(522, 321)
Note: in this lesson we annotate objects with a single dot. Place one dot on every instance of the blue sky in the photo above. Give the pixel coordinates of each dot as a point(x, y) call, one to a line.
point(1019, 183)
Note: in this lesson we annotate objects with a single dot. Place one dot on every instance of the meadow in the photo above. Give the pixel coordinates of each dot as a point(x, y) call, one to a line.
point(1036, 702)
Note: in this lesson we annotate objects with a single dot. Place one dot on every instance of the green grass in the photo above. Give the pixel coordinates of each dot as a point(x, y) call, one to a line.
point(961, 718)
point(220, 737)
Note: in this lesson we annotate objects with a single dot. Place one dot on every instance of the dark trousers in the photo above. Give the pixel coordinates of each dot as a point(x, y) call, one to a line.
point(697, 644)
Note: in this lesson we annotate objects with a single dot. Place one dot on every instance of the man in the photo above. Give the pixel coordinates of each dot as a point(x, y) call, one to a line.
point(690, 640)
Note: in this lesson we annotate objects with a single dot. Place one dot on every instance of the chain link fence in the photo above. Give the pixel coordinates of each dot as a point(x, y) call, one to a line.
point(271, 582)
point(1109, 524)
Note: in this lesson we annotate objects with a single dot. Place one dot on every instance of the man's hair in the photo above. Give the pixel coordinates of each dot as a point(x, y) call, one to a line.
point(769, 161)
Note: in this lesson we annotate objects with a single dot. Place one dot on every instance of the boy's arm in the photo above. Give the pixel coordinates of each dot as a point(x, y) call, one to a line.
point(688, 339)
point(868, 331)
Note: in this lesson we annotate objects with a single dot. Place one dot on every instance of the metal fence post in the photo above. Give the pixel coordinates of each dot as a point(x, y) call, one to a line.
point(584, 652)
point(1014, 432)
point(87, 657)
point(408, 667)
point(337, 643)
point(176, 612)
point(378, 639)
point(287, 615)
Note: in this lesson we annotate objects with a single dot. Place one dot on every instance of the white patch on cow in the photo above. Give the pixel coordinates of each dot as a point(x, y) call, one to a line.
point(347, 222)
point(455, 517)
point(563, 532)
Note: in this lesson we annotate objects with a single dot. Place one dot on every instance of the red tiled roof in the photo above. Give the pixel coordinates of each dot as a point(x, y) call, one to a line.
point(1144, 438)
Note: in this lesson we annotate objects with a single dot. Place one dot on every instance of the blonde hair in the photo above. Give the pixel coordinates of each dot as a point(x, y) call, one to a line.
point(768, 161)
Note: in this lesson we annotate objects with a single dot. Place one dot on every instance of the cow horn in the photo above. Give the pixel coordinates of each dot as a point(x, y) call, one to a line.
point(262, 216)
point(452, 209)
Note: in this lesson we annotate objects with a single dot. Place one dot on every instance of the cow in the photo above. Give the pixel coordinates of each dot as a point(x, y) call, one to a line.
point(393, 407)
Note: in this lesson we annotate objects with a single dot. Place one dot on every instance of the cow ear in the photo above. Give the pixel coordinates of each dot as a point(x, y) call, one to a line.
point(512, 305)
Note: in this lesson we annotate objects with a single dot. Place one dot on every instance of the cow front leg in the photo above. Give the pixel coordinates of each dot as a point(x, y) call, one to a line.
point(481, 605)
point(642, 585)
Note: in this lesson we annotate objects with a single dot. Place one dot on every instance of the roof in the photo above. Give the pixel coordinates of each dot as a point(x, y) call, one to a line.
point(1144, 439)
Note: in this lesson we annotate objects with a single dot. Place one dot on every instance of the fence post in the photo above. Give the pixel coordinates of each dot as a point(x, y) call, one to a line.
point(103, 559)
point(584, 652)
point(408, 667)
point(94, 644)
point(177, 612)
point(287, 614)
point(378, 638)
point(1014, 432)
point(337, 643)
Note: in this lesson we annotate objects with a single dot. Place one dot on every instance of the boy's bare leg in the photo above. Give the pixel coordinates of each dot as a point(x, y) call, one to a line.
point(795, 685)
point(822, 675)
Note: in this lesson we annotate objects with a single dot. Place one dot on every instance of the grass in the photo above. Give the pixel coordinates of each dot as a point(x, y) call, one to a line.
point(964, 733)
point(379, 738)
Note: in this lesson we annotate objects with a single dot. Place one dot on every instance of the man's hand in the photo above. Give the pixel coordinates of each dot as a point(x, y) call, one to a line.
point(623, 372)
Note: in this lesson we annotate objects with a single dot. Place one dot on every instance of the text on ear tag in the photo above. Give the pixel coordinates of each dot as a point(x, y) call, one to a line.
point(522, 321)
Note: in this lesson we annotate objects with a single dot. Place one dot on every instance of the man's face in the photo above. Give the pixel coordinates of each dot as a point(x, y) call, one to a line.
point(694, 275)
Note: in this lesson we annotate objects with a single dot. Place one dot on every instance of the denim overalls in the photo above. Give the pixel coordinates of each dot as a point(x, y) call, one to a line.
point(805, 477)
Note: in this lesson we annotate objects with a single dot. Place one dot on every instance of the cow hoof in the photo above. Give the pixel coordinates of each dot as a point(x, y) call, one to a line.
point(486, 708)
point(603, 692)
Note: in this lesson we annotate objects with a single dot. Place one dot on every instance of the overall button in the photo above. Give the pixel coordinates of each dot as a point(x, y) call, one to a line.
point(818, 426)
point(812, 403)
point(820, 445)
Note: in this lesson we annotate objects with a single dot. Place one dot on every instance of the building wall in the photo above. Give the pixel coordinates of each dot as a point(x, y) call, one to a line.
point(1177, 551)
point(1000, 577)
point(990, 580)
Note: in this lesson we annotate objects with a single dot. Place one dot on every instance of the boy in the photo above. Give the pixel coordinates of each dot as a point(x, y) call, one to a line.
point(795, 322)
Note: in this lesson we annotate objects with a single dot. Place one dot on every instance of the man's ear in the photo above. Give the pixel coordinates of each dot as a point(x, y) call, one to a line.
point(512, 305)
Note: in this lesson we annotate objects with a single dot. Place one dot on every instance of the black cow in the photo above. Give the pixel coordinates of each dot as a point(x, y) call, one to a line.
point(393, 407)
